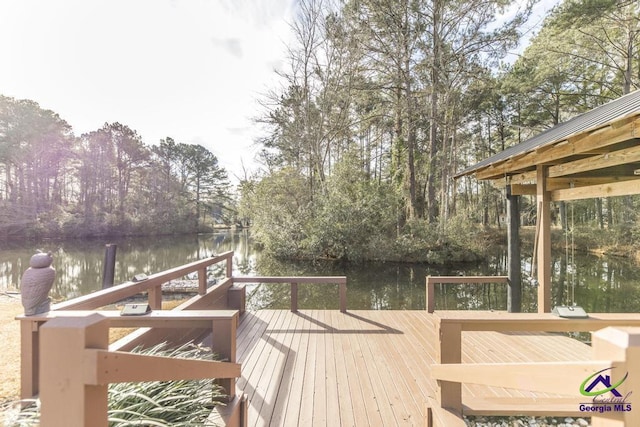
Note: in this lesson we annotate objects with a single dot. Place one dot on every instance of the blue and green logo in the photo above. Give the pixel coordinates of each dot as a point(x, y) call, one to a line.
point(588, 385)
point(598, 386)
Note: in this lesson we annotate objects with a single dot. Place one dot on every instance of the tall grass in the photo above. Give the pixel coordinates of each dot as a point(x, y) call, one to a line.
point(156, 403)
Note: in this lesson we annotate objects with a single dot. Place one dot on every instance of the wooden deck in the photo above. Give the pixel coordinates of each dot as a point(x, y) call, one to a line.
point(318, 367)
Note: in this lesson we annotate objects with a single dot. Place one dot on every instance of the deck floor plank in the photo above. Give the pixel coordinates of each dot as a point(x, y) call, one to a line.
point(382, 387)
point(319, 414)
point(256, 363)
point(250, 331)
point(346, 392)
point(326, 368)
point(372, 414)
point(273, 376)
point(355, 389)
point(289, 373)
point(412, 363)
point(406, 397)
point(332, 380)
point(309, 382)
point(293, 395)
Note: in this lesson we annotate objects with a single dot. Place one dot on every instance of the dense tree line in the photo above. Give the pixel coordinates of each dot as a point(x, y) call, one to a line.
point(382, 102)
point(107, 181)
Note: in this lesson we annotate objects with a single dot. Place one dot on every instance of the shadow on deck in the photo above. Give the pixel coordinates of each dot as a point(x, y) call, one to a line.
point(318, 367)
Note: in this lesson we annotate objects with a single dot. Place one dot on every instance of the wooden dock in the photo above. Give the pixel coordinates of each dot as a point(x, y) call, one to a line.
point(318, 367)
point(328, 367)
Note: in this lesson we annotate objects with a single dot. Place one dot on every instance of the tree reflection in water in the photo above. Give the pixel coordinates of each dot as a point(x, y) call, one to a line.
point(602, 284)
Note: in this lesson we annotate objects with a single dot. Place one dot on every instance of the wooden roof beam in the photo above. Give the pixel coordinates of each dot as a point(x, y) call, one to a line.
point(524, 189)
point(623, 130)
point(523, 178)
point(601, 161)
point(620, 188)
point(562, 183)
point(529, 189)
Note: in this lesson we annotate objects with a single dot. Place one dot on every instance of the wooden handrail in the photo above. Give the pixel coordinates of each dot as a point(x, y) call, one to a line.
point(341, 281)
point(614, 350)
point(521, 375)
point(451, 373)
point(445, 280)
point(152, 284)
point(105, 367)
point(501, 321)
point(78, 367)
point(224, 320)
point(154, 319)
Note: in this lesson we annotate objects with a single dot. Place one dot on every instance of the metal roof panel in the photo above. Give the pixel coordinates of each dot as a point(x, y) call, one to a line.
point(600, 116)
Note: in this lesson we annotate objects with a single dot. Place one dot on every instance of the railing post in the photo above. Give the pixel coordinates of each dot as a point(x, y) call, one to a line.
point(237, 298)
point(66, 400)
point(202, 281)
point(230, 265)
point(109, 266)
point(343, 296)
point(154, 295)
point(29, 360)
point(430, 300)
point(224, 344)
point(620, 344)
point(449, 350)
point(294, 297)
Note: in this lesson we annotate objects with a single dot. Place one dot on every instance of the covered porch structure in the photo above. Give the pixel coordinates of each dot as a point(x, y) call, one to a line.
point(596, 154)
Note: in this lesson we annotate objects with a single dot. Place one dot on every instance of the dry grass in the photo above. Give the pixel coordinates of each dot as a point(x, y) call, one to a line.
point(10, 307)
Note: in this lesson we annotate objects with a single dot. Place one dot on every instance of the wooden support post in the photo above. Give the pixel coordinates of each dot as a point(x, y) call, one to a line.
point(294, 297)
point(109, 267)
point(154, 295)
point(430, 296)
point(224, 344)
point(544, 240)
point(230, 265)
point(343, 297)
point(29, 358)
point(66, 400)
point(514, 291)
point(237, 298)
point(449, 394)
point(202, 281)
point(623, 345)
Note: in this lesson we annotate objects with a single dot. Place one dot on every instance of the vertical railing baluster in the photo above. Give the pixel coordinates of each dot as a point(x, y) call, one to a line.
point(294, 297)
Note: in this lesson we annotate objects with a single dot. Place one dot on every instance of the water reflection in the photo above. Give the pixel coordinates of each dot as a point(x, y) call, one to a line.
point(79, 263)
point(598, 284)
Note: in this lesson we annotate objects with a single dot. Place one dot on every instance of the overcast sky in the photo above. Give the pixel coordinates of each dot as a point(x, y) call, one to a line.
point(192, 69)
point(188, 69)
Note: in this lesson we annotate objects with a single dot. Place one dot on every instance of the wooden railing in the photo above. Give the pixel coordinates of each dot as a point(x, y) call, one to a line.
point(446, 280)
point(72, 339)
point(553, 377)
point(78, 367)
point(151, 284)
point(220, 296)
point(341, 281)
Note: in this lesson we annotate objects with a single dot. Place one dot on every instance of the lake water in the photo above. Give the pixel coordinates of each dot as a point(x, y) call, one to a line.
point(600, 284)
